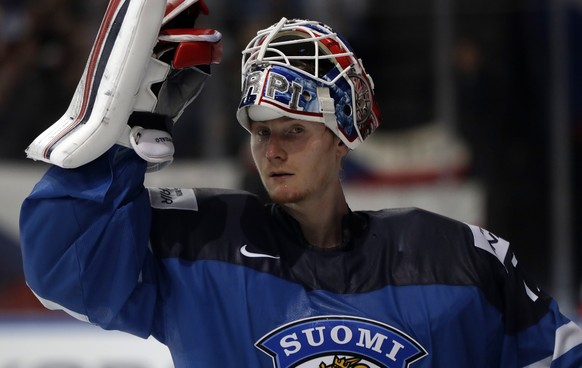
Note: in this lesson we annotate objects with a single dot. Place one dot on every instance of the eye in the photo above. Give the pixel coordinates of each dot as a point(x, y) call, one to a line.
point(261, 131)
point(296, 129)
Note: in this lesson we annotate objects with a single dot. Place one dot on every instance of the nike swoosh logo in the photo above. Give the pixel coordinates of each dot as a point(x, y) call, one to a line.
point(246, 253)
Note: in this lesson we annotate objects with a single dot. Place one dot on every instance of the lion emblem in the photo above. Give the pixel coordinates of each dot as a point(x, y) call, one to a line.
point(344, 363)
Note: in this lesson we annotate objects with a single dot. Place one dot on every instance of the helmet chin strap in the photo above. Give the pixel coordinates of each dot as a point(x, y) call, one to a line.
point(327, 108)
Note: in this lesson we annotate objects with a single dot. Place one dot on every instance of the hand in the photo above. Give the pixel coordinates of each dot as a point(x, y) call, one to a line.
point(176, 75)
point(178, 71)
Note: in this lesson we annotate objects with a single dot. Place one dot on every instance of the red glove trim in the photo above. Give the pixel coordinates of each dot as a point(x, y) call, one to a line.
point(190, 54)
point(194, 46)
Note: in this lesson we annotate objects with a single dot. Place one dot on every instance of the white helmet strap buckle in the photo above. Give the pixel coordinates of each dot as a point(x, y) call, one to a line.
point(327, 108)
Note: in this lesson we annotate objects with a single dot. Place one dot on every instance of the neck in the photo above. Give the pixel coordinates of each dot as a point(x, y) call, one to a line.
point(321, 218)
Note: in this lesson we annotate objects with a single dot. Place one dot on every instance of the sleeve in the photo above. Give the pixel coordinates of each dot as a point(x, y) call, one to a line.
point(84, 237)
point(537, 334)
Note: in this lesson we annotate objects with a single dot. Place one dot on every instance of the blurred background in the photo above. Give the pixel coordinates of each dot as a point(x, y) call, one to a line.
point(482, 122)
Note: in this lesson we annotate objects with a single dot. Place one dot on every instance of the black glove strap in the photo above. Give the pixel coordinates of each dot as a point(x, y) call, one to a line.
point(150, 120)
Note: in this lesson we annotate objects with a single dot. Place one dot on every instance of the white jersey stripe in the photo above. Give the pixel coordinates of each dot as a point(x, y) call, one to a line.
point(568, 336)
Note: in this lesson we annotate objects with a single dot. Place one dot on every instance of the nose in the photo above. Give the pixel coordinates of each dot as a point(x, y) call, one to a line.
point(275, 149)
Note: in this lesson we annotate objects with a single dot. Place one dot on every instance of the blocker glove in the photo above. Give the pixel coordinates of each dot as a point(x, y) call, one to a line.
point(147, 64)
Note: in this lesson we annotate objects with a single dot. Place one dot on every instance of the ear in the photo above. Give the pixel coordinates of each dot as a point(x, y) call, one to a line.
point(341, 149)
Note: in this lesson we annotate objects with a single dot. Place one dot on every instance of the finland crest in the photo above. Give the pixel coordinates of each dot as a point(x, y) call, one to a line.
point(340, 342)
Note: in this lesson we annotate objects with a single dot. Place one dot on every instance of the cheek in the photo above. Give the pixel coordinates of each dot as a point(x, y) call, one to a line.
point(257, 163)
point(258, 155)
point(322, 166)
point(255, 148)
point(325, 154)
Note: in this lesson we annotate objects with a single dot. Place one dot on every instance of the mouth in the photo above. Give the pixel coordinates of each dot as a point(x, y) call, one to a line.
point(279, 174)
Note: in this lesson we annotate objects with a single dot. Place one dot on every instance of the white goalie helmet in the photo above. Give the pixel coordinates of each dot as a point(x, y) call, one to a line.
point(304, 70)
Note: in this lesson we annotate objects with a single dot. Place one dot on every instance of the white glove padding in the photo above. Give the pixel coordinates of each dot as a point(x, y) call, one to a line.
point(105, 95)
point(123, 76)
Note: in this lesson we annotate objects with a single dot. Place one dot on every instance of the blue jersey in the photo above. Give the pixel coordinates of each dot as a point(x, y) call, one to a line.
point(225, 281)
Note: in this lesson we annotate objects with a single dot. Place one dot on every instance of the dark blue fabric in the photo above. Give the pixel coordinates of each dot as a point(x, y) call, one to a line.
point(85, 235)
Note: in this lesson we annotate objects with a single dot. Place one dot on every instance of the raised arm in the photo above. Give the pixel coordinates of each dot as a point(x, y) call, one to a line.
point(84, 235)
point(85, 227)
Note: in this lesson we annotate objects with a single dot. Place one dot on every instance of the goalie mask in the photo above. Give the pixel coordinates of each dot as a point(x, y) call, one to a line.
point(304, 70)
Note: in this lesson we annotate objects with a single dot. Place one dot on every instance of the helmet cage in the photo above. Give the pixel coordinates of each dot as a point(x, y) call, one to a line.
point(333, 89)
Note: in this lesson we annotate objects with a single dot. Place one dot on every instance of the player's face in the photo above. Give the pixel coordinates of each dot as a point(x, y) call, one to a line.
point(297, 160)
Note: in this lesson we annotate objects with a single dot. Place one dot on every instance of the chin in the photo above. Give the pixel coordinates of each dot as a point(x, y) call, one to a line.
point(286, 196)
